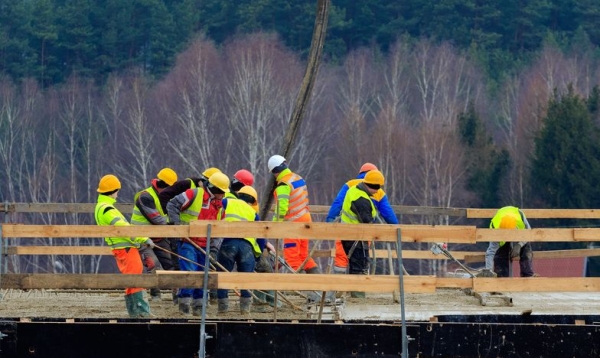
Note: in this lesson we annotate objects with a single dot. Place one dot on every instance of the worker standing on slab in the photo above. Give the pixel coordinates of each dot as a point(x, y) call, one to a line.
point(177, 188)
point(242, 252)
point(291, 196)
point(501, 254)
point(380, 201)
point(359, 208)
point(124, 249)
point(148, 211)
point(240, 179)
point(201, 203)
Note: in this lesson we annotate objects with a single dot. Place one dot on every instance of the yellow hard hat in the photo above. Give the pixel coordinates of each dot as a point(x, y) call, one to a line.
point(108, 183)
point(220, 181)
point(247, 189)
point(508, 222)
point(167, 175)
point(374, 177)
point(210, 171)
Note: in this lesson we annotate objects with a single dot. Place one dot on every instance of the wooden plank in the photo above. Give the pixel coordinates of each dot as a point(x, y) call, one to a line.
point(325, 282)
point(533, 235)
point(224, 280)
point(106, 281)
point(39, 231)
point(471, 213)
point(333, 231)
point(537, 284)
point(586, 234)
point(540, 213)
point(58, 250)
point(452, 282)
point(550, 254)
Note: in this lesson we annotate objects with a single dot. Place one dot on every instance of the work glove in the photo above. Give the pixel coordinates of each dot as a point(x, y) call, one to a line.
point(150, 243)
point(264, 263)
point(516, 250)
point(214, 253)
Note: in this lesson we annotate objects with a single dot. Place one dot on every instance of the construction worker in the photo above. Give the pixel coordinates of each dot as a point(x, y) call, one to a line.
point(263, 264)
point(291, 197)
point(148, 211)
point(200, 203)
point(502, 253)
point(240, 179)
point(124, 249)
point(242, 252)
point(380, 201)
point(177, 188)
point(359, 208)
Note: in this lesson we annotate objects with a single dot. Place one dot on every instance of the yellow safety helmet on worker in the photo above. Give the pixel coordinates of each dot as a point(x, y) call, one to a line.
point(108, 183)
point(167, 175)
point(219, 181)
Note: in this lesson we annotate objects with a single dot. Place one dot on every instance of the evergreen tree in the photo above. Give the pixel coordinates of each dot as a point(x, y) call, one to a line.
point(486, 164)
point(566, 166)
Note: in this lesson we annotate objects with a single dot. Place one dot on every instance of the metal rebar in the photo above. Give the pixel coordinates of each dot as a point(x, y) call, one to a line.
point(203, 335)
point(402, 305)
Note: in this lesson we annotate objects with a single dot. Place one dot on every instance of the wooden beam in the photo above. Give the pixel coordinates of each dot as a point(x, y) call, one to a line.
point(333, 231)
point(174, 279)
point(540, 213)
point(550, 254)
point(223, 280)
point(537, 284)
point(533, 235)
point(39, 231)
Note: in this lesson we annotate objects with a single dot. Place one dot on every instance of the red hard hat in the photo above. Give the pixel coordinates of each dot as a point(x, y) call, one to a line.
point(244, 176)
point(367, 167)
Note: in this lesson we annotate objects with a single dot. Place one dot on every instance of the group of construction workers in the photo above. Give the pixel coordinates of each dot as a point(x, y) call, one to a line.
point(213, 196)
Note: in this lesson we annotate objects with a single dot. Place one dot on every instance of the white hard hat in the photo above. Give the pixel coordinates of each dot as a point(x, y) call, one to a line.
point(275, 161)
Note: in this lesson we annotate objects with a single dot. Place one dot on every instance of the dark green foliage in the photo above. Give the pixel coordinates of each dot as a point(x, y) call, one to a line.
point(566, 166)
point(486, 164)
point(51, 39)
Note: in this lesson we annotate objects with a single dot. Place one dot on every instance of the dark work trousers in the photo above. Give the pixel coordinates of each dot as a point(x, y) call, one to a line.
point(502, 260)
point(359, 261)
point(173, 243)
point(165, 258)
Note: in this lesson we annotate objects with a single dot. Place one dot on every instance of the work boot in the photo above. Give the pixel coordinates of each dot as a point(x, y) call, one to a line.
point(141, 305)
point(184, 305)
point(197, 307)
point(270, 295)
point(245, 304)
point(339, 270)
point(130, 306)
point(155, 294)
point(313, 270)
point(174, 296)
point(355, 294)
point(223, 305)
point(212, 295)
point(261, 297)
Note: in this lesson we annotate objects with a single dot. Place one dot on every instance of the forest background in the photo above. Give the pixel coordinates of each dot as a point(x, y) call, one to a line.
point(460, 103)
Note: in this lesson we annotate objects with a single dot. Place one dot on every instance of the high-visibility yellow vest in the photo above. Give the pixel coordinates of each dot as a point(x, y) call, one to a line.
point(239, 210)
point(347, 215)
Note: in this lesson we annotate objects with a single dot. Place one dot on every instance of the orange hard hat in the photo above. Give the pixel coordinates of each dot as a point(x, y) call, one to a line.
point(367, 167)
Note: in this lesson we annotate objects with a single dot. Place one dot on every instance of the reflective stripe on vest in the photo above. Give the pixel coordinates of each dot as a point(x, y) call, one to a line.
point(239, 210)
point(113, 242)
point(298, 198)
point(137, 218)
point(348, 216)
point(192, 212)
